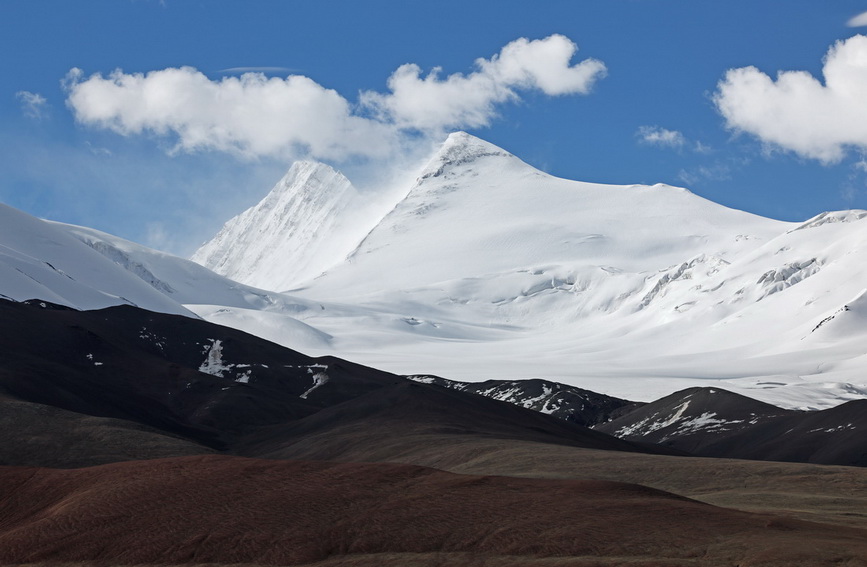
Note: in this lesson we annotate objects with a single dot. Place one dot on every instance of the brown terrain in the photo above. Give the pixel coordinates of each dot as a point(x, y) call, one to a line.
point(218, 509)
point(143, 459)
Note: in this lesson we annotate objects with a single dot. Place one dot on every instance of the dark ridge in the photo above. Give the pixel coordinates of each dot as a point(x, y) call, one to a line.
point(135, 365)
point(44, 436)
point(172, 385)
point(566, 402)
point(716, 423)
point(47, 305)
point(361, 428)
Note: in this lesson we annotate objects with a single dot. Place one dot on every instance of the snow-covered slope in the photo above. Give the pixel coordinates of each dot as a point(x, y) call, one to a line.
point(478, 211)
point(490, 269)
point(196, 289)
point(309, 221)
point(40, 260)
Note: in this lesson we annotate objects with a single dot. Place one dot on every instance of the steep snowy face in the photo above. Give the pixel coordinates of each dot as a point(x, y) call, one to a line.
point(476, 211)
point(309, 221)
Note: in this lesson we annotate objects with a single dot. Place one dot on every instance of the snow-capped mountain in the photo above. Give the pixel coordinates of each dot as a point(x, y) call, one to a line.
point(478, 211)
point(486, 268)
point(309, 221)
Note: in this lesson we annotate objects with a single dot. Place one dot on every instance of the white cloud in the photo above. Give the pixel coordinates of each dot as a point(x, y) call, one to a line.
point(665, 138)
point(33, 105)
point(253, 115)
point(250, 115)
point(658, 136)
point(432, 103)
point(799, 113)
point(858, 21)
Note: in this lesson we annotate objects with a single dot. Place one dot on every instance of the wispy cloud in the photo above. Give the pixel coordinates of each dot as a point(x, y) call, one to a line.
point(796, 111)
point(858, 21)
point(665, 138)
point(715, 172)
point(254, 116)
point(33, 105)
point(658, 136)
point(722, 169)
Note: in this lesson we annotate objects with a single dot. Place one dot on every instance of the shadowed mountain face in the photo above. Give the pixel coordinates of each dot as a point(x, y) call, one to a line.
point(715, 423)
point(165, 385)
point(180, 375)
point(372, 426)
point(566, 402)
point(178, 386)
point(233, 510)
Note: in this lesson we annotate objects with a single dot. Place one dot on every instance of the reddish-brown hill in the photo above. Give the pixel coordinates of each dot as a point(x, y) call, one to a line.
point(218, 509)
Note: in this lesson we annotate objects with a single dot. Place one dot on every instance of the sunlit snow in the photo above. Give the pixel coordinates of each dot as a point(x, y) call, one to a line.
point(486, 268)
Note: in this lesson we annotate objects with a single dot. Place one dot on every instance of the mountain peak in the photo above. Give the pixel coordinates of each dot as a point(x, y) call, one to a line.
point(301, 223)
point(308, 176)
point(460, 148)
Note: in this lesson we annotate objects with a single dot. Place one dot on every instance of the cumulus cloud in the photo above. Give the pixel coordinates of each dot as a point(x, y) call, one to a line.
point(253, 115)
point(33, 105)
point(462, 101)
point(796, 111)
point(858, 21)
point(658, 136)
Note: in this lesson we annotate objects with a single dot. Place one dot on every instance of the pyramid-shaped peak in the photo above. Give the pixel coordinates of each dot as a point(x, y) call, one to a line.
point(461, 148)
point(305, 222)
point(310, 174)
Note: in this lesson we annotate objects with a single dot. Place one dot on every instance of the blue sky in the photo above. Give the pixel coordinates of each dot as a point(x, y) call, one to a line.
point(648, 97)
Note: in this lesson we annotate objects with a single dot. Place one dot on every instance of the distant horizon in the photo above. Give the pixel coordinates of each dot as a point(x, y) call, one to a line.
point(157, 121)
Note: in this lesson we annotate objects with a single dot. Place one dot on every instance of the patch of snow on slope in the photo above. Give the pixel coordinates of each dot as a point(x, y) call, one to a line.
point(705, 421)
point(319, 379)
point(213, 363)
point(653, 423)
